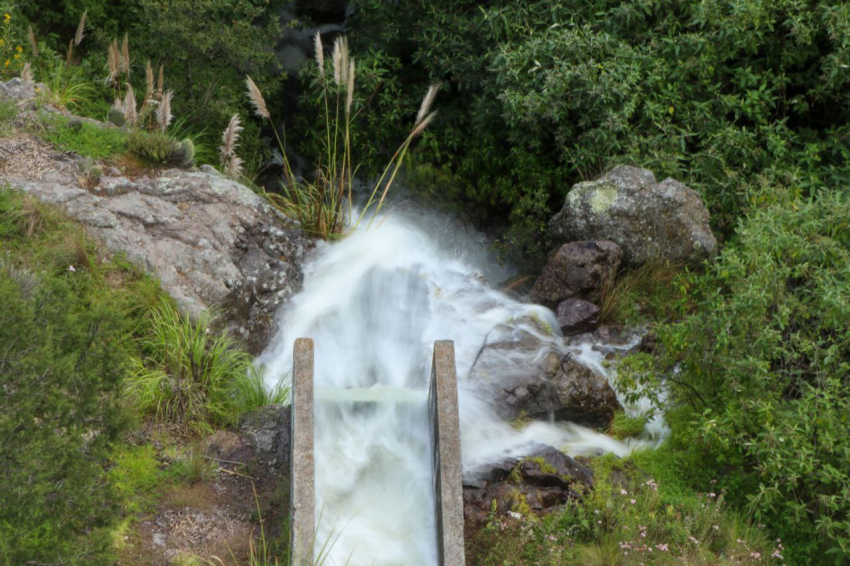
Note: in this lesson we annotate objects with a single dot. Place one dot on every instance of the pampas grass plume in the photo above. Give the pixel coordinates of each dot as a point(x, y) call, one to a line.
point(257, 100)
point(163, 111)
point(33, 44)
point(81, 29)
point(320, 54)
point(427, 101)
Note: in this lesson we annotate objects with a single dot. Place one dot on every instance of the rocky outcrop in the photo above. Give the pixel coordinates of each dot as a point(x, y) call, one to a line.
point(210, 240)
point(528, 376)
point(18, 90)
point(650, 221)
point(577, 316)
point(576, 268)
point(532, 484)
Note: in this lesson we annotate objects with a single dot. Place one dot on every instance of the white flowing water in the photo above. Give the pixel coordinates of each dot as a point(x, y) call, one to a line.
point(374, 303)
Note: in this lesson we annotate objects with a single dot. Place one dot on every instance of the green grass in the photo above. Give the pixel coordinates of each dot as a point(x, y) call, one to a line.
point(624, 426)
point(137, 477)
point(83, 138)
point(8, 110)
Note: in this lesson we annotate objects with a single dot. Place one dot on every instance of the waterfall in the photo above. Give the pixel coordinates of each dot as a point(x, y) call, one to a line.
point(374, 303)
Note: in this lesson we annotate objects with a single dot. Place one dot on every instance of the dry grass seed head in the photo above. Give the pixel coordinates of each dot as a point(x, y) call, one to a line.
point(257, 99)
point(350, 87)
point(340, 60)
point(69, 55)
point(26, 74)
point(130, 113)
point(125, 55)
point(33, 44)
point(81, 29)
point(161, 81)
point(320, 54)
point(425, 107)
point(420, 127)
point(163, 111)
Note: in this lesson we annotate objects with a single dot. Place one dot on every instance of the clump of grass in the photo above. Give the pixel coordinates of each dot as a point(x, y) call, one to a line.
point(647, 291)
point(319, 204)
point(189, 370)
point(250, 392)
point(65, 87)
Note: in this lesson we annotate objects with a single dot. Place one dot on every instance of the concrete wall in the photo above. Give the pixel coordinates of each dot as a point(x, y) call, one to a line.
point(446, 460)
point(302, 458)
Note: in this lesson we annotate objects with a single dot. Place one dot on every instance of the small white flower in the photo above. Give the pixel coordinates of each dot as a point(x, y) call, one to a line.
point(514, 515)
point(71, 268)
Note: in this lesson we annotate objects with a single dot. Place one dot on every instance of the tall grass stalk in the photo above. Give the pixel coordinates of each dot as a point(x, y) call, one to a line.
point(319, 205)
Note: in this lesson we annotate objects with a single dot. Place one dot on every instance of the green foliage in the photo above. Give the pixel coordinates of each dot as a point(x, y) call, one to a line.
point(193, 467)
point(189, 370)
point(8, 111)
point(61, 377)
point(66, 87)
point(12, 41)
point(250, 392)
point(155, 147)
point(762, 373)
point(83, 137)
point(638, 504)
point(624, 426)
point(723, 96)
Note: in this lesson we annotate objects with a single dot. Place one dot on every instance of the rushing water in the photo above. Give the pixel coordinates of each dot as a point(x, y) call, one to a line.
point(374, 303)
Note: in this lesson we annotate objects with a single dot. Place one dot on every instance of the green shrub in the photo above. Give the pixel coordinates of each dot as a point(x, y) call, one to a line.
point(189, 370)
point(762, 377)
point(155, 147)
point(83, 137)
point(62, 370)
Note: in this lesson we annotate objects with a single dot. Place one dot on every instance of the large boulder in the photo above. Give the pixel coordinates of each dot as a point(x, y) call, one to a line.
point(528, 376)
point(576, 268)
point(533, 484)
point(210, 240)
point(650, 221)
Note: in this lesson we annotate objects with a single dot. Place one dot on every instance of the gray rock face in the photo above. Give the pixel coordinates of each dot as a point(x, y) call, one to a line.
point(650, 221)
point(576, 268)
point(210, 240)
point(527, 376)
point(17, 90)
point(268, 432)
point(536, 483)
point(576, 316)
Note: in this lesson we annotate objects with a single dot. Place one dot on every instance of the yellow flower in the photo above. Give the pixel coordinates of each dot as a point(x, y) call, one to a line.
point(6, 64)
point(17, 56)
point(2, 41)
point(19, 49)
point(7, 18)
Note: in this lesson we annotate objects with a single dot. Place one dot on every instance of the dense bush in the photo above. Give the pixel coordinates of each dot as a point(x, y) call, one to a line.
point(761, 370)
point(724, 96)
point(62, 361)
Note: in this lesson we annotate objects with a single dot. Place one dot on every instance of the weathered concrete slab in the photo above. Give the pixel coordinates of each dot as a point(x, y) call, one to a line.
point(445, 444)
point(303, 525)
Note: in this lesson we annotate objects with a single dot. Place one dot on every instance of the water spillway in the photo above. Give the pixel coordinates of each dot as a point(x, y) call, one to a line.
point(374, 305)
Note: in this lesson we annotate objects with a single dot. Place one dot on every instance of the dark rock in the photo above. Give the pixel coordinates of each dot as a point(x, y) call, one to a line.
point(650, 221)
point(576, 316)
point(268, 432)
point(576, 268)
point(527, 376)
point(536, 483)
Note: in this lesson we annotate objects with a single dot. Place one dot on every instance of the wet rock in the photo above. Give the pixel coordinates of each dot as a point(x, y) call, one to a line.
point(268, 432)
point(650, 221)
point(576, 316)
point(533, 484)
point(528, 376)
point(576, 268)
